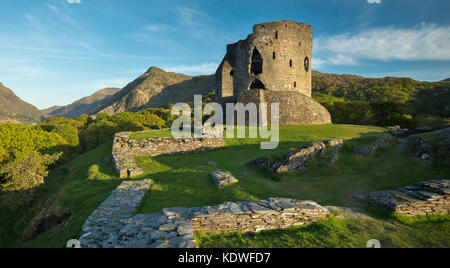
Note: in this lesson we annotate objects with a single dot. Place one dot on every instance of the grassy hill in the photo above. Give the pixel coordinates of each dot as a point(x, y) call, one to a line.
point(79, 186)
point(13, 109)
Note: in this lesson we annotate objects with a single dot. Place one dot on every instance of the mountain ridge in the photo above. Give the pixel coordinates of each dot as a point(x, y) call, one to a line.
point(85, 105)
point(14, 109)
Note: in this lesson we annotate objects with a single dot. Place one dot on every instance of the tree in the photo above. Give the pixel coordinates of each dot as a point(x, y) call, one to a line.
point(26, 172)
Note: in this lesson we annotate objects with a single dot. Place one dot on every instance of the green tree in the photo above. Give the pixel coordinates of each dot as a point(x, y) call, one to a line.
point(26, 172)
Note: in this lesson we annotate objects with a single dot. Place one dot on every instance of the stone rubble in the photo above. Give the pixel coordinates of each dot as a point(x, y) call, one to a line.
point(382, 142)
point(299, 159)
point(223, 179)
point(403, 133)
point(113, 224)
point(125, 149)
point(422, 199)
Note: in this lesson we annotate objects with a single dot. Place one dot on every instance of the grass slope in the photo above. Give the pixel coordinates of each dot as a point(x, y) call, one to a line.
point(183, 181)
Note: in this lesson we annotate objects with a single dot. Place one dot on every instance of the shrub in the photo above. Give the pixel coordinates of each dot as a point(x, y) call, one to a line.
point(18, 139)
point(26, 172)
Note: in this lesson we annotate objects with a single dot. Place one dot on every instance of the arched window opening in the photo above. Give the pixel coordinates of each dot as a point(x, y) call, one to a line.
point(290, 63)
point(295, 83)
point(257, 62)
point(257, 84)
point(231, 72)
point(307, 64)
point(276, 35)
point(274, 55)
point(262, 29)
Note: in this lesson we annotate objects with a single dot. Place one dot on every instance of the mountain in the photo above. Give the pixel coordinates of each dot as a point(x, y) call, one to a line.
point(13, 109)
point(157, 88)
point(86, 105)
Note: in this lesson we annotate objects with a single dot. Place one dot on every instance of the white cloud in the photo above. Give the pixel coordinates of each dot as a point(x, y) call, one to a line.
point(425, 42)
point(74, 1)
point(204, 68)
point(159, 28)
point(374, 1)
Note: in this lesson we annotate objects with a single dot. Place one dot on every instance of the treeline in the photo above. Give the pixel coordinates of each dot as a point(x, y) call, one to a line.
point(28, 152)
point(383, 101)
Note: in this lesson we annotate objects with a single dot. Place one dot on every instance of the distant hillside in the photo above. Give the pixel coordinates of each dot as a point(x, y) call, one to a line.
point(157, 88)
point(416, 97)
point(86, 105)
point(13, 109)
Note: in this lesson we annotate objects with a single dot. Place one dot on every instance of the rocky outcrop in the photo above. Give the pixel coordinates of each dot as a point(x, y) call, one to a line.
point(125, 149)
point(422, 199)
point(436, 146)
point(299, 159)
point(382, 142)
point(403, 133)
point(223, 179)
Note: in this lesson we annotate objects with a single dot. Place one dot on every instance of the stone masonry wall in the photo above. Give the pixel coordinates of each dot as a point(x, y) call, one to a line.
point(255, 216)
point(422, 199)
point(114, 225)
point(285, 48)
point(125, 149)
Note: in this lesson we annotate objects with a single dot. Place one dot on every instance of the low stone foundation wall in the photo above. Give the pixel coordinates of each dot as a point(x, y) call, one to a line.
point(423, 199)
point(125, 149)
point(275, 213)
point(101, 229)
point(113, 224)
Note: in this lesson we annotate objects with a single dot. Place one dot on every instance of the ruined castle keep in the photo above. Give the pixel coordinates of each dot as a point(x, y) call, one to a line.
point(273, 65)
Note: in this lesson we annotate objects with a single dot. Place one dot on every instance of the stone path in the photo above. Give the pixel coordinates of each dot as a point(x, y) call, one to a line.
point(102, 228)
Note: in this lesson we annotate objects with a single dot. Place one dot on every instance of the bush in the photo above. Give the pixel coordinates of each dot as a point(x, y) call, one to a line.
point(26, 172)
point(3, 154)
point(19, 139)
point(69, 133)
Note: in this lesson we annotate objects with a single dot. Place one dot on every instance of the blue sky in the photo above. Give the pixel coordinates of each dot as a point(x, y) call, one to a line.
point(53, 52)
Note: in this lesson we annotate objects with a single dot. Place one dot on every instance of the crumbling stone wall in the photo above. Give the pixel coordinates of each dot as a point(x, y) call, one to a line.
point(255, 216)
point(125, 149)
point(294, 107)
point(276, 55)
point(422, 199)
point(273, 65)
point(113, 224)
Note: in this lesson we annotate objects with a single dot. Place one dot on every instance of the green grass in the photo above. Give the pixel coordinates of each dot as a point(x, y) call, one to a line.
point(151, 134)
point(81, 185)
point(184, 181)
point(339, 233)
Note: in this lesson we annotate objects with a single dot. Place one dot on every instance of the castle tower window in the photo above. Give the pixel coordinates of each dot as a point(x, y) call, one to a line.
point(276, 35)
point(274, 55)
point(290, 63)
point(295, 83)
point(231, 72)
point(307, 64)
point(262, 29)
point(256, 62)
point(257, 84)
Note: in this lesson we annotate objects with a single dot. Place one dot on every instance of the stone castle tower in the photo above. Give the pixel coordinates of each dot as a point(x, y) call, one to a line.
point(273, 65)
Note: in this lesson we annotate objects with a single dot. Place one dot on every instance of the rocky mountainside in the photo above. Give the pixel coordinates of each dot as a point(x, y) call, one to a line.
point(13, 109)
point(157, 88)
point(86, 105)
